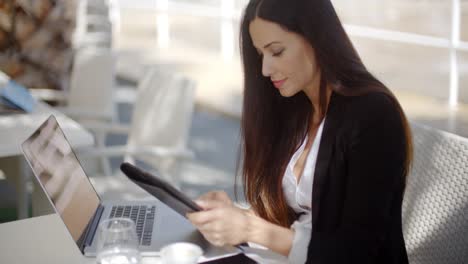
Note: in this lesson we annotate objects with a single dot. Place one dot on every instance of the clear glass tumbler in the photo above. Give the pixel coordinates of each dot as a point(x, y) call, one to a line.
point(117, 242)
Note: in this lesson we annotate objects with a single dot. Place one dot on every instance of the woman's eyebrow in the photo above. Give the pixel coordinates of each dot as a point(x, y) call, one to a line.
point(266, 46)
point(271, 43)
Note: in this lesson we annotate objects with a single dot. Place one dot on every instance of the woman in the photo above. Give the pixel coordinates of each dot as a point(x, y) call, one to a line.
point(326, 146)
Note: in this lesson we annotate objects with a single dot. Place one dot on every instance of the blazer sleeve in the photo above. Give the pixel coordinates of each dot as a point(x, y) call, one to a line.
point(374, 178)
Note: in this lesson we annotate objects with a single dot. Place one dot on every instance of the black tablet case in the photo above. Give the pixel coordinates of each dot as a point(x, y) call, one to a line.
point(161, 189)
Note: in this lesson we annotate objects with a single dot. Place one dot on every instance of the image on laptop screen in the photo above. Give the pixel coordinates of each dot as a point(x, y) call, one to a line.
point(59, 172)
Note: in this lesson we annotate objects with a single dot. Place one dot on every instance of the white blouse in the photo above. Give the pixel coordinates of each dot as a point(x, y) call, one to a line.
point(299, 197)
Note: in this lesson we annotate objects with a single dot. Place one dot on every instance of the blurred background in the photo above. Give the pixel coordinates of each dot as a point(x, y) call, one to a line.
point(415, 47)
point(419, 48)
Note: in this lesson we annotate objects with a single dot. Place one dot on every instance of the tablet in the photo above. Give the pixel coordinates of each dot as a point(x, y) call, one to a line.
point(160, 189)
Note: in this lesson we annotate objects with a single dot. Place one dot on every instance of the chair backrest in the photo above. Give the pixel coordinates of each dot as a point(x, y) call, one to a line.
point(435, 207)
point(92, 83)
point(163, 110)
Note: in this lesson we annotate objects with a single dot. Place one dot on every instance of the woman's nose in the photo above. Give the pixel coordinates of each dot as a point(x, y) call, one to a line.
point(266, 67)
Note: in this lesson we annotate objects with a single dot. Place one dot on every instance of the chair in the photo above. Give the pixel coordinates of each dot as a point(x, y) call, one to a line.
point(91, 94)
point(160, 124)
point(91, 90)
point(435, 206)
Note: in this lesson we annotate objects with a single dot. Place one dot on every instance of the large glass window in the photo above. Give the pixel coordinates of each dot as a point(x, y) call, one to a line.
point(405, 42)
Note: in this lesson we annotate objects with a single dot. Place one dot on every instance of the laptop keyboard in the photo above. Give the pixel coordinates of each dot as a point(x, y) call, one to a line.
point(142, 215)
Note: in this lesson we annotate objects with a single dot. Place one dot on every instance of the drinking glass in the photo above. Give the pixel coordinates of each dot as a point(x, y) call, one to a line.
point(117, 242)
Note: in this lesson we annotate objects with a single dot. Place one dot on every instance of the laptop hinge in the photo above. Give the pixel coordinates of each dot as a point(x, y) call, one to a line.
point(91, 228)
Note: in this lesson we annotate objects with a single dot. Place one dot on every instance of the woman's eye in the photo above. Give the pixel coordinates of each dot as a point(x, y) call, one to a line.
point(277, 54)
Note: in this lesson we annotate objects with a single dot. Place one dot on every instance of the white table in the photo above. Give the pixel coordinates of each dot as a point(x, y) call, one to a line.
point(16, 128)
point(45, 239)
point(42, 239)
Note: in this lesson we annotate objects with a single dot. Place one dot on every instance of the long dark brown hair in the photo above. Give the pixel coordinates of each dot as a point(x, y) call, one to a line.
point(273, 126)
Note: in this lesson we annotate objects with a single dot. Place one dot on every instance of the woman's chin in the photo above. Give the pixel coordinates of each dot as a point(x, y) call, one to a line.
point(286, 93)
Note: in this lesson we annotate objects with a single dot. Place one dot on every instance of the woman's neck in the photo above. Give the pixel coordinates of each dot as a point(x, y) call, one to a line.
point(312, 92)
point(316, 119)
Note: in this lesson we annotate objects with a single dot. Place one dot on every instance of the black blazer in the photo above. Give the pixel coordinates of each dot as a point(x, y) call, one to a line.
point(359, 183)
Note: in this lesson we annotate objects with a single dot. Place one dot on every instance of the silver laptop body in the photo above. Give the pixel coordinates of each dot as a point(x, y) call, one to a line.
point(75, 200)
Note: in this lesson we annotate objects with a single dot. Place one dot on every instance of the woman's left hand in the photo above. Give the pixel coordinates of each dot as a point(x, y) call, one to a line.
point(221, 224)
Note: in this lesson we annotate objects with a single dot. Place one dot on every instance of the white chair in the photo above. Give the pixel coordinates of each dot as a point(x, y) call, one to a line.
point(91, 94)
point(435, 207)
point(160, 124)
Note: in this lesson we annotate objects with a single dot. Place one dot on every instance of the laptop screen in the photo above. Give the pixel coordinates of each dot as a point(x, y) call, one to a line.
point(60, 174)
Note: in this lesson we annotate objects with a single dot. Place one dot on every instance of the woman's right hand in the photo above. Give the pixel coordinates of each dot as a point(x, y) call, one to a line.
point(221, 222)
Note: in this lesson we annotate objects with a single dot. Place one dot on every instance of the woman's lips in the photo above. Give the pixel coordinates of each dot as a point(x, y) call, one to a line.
point(279, 83)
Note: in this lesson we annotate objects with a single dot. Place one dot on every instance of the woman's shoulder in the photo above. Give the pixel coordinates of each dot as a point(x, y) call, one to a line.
point(370, 109)
point(371, 101)
point(372, 104)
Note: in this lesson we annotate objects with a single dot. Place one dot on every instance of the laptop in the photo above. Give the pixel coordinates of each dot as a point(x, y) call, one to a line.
point(75, 200)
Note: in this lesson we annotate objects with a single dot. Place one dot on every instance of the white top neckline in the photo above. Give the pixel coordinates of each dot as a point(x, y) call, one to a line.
point(299, 194)
point(299, 197)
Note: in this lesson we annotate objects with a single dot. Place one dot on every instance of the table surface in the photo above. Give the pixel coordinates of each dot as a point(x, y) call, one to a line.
point(24, 241)
point(45, 239)
point(16, 128)
point(42, 239)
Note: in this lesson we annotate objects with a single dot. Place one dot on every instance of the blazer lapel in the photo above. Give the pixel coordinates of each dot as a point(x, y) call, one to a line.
point(327, 145)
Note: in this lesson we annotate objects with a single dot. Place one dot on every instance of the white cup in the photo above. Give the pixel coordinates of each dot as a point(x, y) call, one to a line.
point(181, 253)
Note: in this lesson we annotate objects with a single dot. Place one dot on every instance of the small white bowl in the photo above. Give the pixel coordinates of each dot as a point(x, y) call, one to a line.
point(181, 253)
